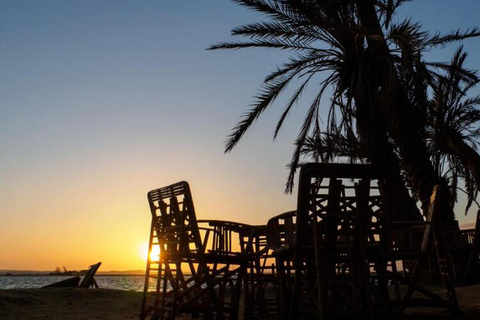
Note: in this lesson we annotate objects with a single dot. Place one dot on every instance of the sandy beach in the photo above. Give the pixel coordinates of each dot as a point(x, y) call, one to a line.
point(82, 304)
point(468, 299)
point(69, 303)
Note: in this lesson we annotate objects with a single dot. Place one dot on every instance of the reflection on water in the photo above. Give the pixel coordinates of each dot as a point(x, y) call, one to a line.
point(134, 283)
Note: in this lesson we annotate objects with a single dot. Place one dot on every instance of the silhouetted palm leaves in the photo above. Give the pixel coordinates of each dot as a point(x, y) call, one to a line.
point(453, 128)
point(375, 68)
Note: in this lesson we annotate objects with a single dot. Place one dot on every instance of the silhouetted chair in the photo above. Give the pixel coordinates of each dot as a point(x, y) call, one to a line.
point(190, 278)
point(472, 269)
point(433, 250)
point(227, 237)
point(260, 282)
point(280, 234)
point(89, 280)
point(344, 257)
point(464, 247)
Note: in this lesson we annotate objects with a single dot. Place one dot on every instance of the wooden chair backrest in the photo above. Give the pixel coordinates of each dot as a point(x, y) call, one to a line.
point(174, 219)
point(328, 198)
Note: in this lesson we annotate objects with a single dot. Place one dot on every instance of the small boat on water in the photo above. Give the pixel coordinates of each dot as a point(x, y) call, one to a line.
point(67, 283)
point(87, 282)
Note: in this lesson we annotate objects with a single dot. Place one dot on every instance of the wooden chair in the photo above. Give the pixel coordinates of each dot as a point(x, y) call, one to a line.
point(250, 242)
point(280, 234)
point(338, 224)
point(190, 278)
point(472, 269)
point(464, 247)
point(260, 280)
point(344, 258)
point(433, 250)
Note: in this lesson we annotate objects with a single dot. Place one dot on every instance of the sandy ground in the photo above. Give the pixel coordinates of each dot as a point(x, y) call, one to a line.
point(81, 304)
point(69, 303)
point(468, 299)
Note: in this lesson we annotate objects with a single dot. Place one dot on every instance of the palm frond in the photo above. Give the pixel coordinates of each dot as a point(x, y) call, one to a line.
point(295, 97)
point(304, 61)
point(307, 122)
point(267, 95)
point(277, 10)
point(408, 36)
point(275, 29)
point(457, 35)
point(284, 44)
point(387, 10)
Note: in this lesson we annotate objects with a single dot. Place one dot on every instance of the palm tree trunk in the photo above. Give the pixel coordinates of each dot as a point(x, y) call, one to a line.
point(406, 132)
point(398, 111)
point(379, 150)
point(382, 152)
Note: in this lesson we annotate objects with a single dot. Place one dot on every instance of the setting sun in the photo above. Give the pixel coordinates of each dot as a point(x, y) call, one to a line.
point(154, 254)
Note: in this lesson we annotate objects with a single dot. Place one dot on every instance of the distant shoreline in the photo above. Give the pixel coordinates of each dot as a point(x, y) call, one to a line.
point(35, 273)
point(67, 275)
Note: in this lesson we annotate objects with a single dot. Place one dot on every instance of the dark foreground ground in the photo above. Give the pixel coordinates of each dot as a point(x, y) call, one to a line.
point(82, 304)
point(469, 301)
point(69, 303)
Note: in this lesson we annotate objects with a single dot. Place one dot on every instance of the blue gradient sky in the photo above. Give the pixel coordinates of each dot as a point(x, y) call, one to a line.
point(102, 101)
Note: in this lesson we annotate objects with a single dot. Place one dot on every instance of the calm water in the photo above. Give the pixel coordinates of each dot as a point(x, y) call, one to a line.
point(134, 283)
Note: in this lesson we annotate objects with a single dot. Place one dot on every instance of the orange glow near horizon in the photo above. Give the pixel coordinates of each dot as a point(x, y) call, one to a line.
point(108, 223)
point(111, 224)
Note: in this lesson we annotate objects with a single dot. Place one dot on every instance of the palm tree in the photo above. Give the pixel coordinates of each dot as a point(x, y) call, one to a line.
point(367, 59)
point(451, 132)
point(337, 146)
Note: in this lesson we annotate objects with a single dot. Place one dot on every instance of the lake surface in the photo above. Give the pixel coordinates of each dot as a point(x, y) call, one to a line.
point(135, 283)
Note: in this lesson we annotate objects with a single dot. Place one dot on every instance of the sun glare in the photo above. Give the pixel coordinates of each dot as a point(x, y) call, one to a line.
point(153, 255)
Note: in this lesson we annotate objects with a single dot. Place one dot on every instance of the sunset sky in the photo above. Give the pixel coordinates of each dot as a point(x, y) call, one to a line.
point(102, 101)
